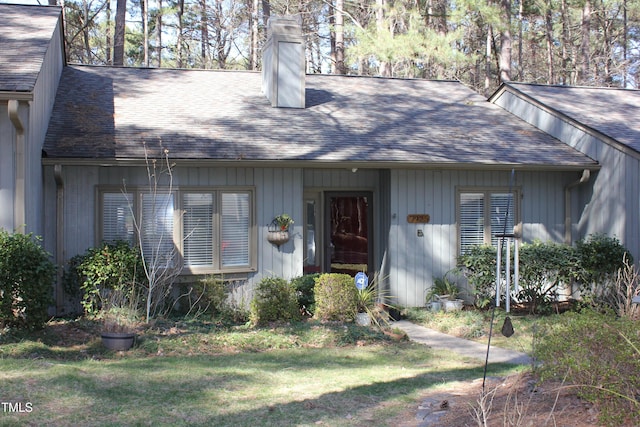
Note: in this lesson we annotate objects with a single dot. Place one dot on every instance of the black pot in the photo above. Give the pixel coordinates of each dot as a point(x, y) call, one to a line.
point(118, 341)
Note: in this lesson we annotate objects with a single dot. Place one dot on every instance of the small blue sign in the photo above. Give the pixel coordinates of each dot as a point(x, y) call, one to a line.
point(362, 281)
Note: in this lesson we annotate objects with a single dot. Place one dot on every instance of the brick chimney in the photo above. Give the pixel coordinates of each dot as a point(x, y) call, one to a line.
point(283, 62)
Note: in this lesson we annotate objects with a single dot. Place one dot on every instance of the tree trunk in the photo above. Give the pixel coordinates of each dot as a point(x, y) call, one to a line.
point(108, 41)
point(159, 34)
point(487, 63)
point(549, 30)
point(340, 68)
point(180, 39)
point(266, 12)
point(118, 38)
point(144, 11)
point(505, 42)
point(253, 57)
point(566, 75)
point(204, 32)
point(584, 46)
point(385, 67)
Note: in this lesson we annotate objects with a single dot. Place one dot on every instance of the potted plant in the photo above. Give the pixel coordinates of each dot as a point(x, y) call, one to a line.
point(444, 293)
point(371, 305)
point(365, 302)
point(278, 231)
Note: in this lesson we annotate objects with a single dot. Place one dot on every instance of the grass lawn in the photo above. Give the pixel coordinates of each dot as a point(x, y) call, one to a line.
point(475, 325)
point(204, 374)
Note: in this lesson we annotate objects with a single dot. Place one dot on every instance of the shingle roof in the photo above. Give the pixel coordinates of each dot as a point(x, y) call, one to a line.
point(109, 113)
point(25, 33)
point(613, 112)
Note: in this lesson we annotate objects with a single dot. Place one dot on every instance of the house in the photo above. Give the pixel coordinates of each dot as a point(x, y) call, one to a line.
point(601, 123)
point(394, 177)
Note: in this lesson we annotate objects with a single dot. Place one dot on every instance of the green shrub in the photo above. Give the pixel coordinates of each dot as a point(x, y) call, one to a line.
point(478, 265)
point(304, 286)
point(111, 275)
point(274, 300)
point(26, 281)
point(600, 354)
point(544, 269)
point(601, 257)
point(336, 297)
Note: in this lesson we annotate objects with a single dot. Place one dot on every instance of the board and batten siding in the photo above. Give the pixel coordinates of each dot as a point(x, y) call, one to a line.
point(610, 202)
point(277, 190)
point(414, 261)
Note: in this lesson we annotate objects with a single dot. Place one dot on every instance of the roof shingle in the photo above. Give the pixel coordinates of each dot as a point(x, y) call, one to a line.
point(25, 34)
point(112, 113)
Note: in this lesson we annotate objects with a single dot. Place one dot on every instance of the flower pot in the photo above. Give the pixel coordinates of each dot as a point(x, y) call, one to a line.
point(453, 305)
point(118, 341)
point(278, 237)
point(363, 319)
point(435, 306)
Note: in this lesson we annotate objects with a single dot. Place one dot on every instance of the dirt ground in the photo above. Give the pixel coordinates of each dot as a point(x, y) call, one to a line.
point(513, 401)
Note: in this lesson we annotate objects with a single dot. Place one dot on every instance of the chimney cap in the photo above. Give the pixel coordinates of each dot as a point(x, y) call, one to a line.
point(284, 25)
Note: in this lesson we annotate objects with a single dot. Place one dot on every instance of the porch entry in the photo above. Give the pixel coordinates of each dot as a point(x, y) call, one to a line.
point(348, 243)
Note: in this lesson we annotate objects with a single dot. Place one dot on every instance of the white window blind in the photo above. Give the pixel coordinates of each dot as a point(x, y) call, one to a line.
point(157, 228)
point(482, 215)
point(502, 210)
point(198, 229)
point(235, 221)
point(471, 220)
point(117, 217)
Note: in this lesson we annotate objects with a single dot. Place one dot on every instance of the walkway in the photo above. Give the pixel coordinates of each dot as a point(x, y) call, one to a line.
point(461, 346)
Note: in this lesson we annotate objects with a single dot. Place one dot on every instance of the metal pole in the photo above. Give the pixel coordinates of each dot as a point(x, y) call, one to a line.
point(507, 274)
point(498, 272)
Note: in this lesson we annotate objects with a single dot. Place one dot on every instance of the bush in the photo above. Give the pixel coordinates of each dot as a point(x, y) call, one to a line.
point(304, 286)
point(111, 275)
point(601, 258)
point(544, 269)
point(479, 267)
point(274, 300)
point(600, 354)
point(336, 297)
point(26, 281)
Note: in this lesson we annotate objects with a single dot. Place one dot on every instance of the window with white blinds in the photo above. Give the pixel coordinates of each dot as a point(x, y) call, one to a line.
point(117, 217)
point(197, 223)
point(212, 230)
point(235, 229)
point(502, 211)
point(471, 221)
point(157, 228)
point(482, 214)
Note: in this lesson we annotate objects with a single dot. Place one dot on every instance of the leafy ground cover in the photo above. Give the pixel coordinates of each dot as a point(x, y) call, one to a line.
point(205, 374)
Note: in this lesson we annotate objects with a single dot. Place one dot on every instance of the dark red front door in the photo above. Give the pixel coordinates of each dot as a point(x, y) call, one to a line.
point(348, 232)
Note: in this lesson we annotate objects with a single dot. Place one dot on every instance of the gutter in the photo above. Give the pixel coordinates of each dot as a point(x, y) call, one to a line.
point(57, 175)
point(586, 174)
point(19, 214)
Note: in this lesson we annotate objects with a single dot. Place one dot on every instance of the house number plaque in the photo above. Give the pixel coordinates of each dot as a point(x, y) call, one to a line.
point(418, 218)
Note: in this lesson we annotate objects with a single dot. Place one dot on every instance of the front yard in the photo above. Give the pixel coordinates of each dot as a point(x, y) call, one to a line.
point(203, 374)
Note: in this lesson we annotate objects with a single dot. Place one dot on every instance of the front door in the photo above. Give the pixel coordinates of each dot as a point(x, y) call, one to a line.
point(348, 244)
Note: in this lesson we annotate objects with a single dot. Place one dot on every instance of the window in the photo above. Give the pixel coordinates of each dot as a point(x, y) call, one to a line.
point(211, 229)
point(481, 215)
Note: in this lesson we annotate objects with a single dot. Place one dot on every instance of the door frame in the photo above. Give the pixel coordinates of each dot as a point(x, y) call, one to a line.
point(326, 218)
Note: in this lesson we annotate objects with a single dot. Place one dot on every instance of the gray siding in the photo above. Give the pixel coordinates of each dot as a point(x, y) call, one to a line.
point(276, 191)
point(39, 113)
point(415, 261)
point(7, 171)
point(610, 202)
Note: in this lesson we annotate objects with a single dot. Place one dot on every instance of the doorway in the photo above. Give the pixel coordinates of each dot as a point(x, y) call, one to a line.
point(348, 243)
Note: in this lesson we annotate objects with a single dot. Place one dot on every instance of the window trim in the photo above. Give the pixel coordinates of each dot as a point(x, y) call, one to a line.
point(487, 191)
point(178, 192)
